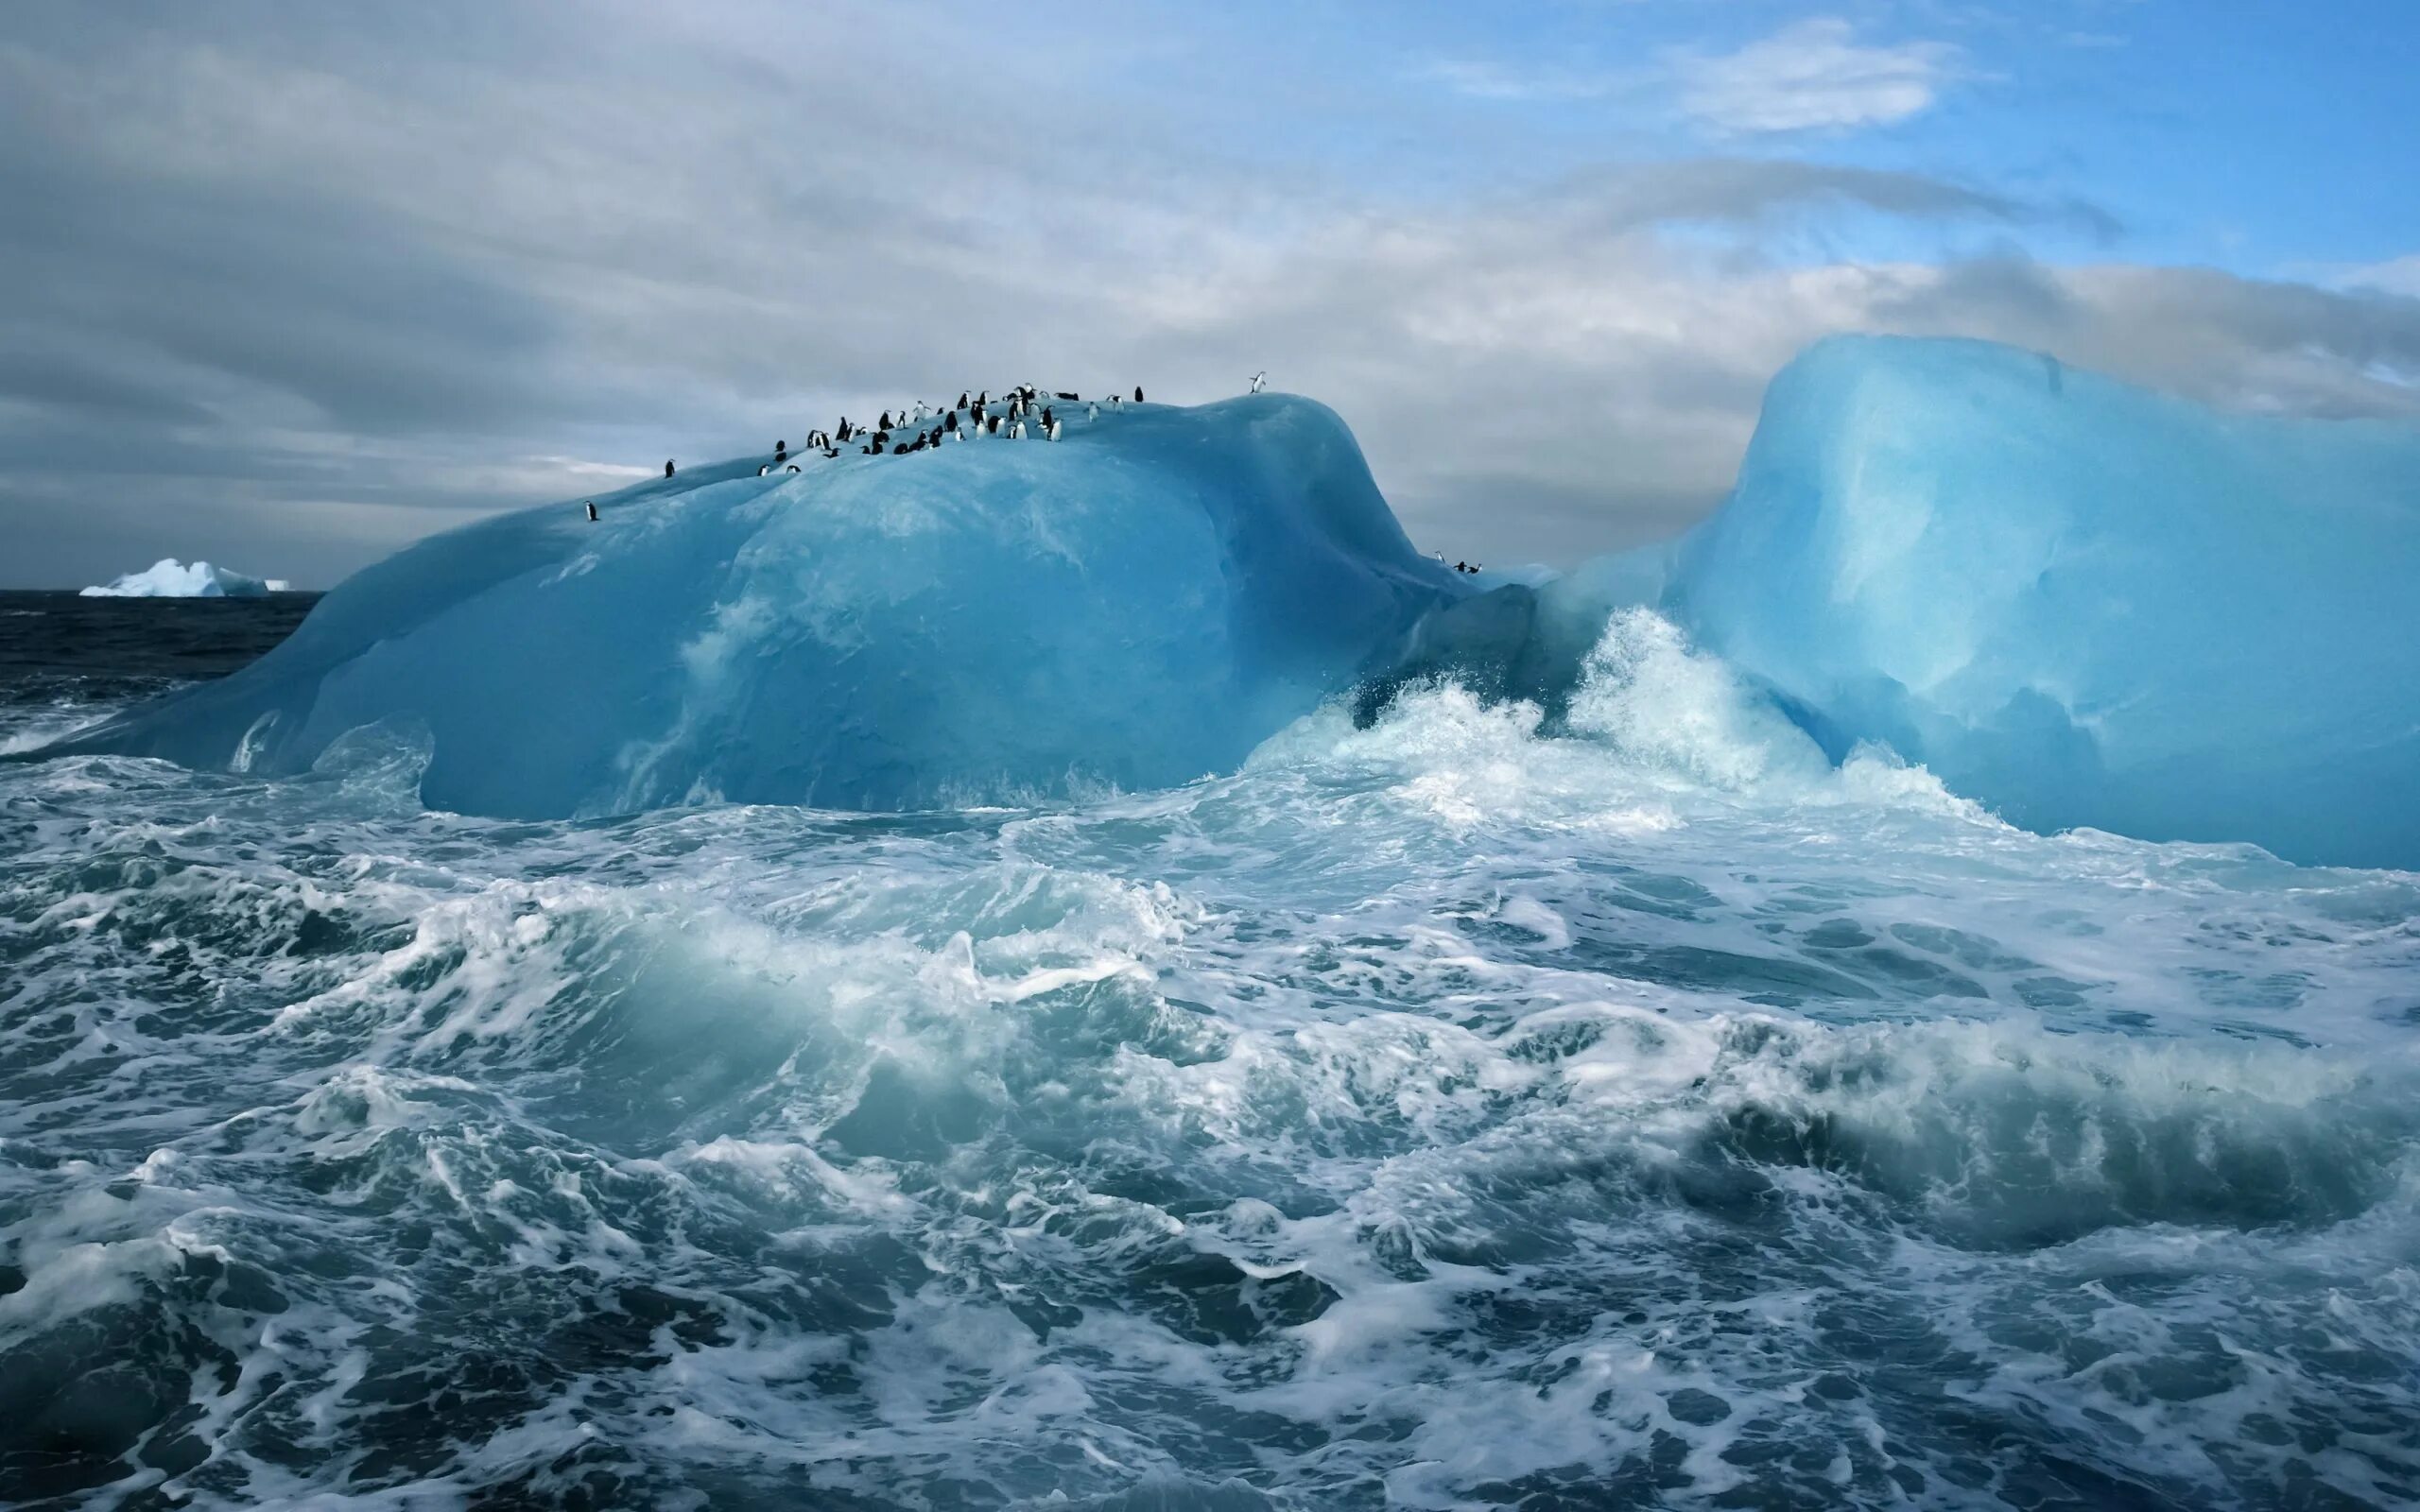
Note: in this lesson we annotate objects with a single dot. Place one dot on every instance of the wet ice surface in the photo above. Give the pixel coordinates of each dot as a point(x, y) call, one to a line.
point(1428, 1115)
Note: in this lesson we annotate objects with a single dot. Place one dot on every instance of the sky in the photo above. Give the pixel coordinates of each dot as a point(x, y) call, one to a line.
point(288, 285)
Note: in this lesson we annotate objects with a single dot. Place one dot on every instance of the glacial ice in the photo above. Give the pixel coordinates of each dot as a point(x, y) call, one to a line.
point(2078, 603)
point(1134, 605)
point(2081, 603)
point(170, 578)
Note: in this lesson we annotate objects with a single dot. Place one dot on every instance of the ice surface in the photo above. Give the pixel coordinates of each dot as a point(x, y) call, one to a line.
point(2077, 602)
point(1137, 605)
point(170, 578)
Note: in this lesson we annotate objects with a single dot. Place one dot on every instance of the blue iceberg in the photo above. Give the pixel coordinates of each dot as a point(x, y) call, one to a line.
point(1134, 605)
point(170, 578)
point(2077, 602)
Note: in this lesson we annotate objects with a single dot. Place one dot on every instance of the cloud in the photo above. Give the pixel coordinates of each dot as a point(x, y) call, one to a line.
point(285, 289)
point(1812, 77)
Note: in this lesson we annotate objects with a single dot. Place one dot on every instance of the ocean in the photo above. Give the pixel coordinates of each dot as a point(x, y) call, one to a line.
point(1435, 1112)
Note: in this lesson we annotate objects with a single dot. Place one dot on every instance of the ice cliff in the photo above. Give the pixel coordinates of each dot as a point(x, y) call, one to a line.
point(1136, 605)
point(170, 578)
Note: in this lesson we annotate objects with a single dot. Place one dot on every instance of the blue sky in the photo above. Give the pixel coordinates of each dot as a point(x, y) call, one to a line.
point(289, 286)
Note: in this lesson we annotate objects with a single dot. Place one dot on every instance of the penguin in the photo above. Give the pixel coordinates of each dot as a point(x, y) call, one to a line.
point(1016, 430)
point(993, 425)
point(1138, 393)
point(958, 436)
point(831, 452)
point(843, 432)
point(1462, 566)
point(668, 467)
point(1069, 397)
point(983, 399)
point(762, 471)
point(793, 467)
point(921, 410)
point(884, 424)
point(1049, 428)
point(900, 450)
point(781, 451)
point(1048, 418)
point(949, 423)
point(1259, 381)
point(962, 400)
point(592, 511)
point(1094, 413)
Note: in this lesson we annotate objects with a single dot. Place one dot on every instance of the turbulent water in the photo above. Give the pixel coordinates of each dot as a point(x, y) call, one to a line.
point(1432, 1114)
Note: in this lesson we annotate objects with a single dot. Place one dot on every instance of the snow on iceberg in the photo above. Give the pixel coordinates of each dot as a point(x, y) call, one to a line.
point(170, 578)
point(2079, 602)
point(1137, 605)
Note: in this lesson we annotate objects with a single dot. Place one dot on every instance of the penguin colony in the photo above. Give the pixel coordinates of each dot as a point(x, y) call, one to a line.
point(1019, 414)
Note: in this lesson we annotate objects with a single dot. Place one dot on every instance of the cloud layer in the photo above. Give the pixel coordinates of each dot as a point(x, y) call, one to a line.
point(292, 287)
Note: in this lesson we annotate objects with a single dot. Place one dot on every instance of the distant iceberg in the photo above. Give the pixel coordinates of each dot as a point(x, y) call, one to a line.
point(170, 578)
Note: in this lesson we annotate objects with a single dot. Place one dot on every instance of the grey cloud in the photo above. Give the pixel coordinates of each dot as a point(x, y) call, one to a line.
point(303, 281)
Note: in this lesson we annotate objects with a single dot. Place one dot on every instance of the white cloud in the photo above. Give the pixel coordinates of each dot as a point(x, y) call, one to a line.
point(1812, 77)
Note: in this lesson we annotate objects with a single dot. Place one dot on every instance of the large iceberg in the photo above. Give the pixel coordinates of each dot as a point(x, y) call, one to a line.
point(1134, 605)
point(2076, 601)
point(170, 578)
point(2079, 602)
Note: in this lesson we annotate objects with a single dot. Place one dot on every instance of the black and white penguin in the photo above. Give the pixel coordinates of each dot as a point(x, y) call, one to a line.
point(1069, 397)
point(1138, 393)
point(1049, 427)
point(1259, 381)
point(1093, 413)
point(991, 426)
point(923, 409)
point(781, 451)
point(1016, 430)
point(962, 400)
point(949, 423)
point(793, 467)
point(592, 511)
point(762, 471)
point(668, 467)
point(884, 424)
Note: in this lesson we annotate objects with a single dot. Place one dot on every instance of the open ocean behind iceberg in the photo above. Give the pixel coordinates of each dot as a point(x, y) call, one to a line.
point(529, 1043)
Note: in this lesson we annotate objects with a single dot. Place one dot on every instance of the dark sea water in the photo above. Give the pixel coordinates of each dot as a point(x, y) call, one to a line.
point(1428, 1115)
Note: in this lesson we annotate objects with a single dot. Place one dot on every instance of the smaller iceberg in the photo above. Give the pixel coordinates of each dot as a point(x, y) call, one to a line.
point(170, 578)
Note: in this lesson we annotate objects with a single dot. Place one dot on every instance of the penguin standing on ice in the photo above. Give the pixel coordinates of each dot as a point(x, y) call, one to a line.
point(781, 451)
point(1259, 381)
point(921, 410)
point(1016, 430)
point(1049, 427)
point(949, 423)
point(991, 426)
point(668, 467)
point(793, 467)
point(1138, 393)
point(962, 400)
point(764, 468)
point(1093, 413)
point(592, 511)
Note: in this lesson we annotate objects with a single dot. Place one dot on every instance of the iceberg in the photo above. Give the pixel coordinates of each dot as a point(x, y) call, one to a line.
point(2080, 603)
point(1134, 605)
point(170, 578)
